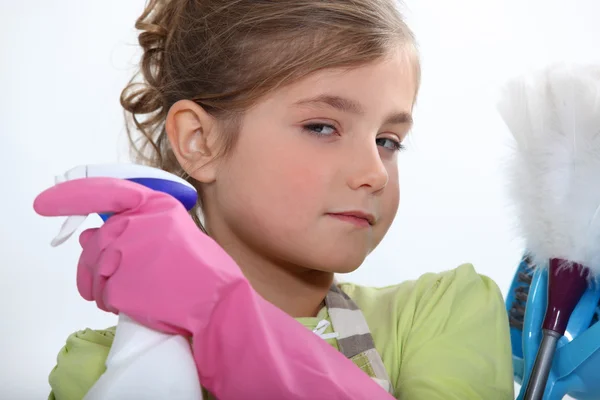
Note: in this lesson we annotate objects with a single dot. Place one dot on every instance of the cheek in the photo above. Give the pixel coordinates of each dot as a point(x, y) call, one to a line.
point(391, 198)
point(282, 182)
point(389, 207)
point(299, 182)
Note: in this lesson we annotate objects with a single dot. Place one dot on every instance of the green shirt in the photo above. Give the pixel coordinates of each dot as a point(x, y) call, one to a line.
point(442, 337)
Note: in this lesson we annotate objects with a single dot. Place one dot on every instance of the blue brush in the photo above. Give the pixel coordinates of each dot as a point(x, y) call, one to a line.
point(576, 362)
point(554, 117)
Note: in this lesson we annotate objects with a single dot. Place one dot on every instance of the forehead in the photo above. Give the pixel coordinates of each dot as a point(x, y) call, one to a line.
point(385, 84)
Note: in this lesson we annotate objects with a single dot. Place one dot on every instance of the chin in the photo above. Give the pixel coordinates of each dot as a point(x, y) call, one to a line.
point(344, 269)
point(340, 263)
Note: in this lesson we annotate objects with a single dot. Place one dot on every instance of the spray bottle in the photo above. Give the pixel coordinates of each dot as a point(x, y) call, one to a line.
point(142, 363)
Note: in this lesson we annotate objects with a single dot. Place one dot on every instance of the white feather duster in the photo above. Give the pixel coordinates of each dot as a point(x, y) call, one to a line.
point(554, 116)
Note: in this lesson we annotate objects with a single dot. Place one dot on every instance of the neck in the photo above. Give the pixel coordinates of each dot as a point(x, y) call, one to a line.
point(297, 291)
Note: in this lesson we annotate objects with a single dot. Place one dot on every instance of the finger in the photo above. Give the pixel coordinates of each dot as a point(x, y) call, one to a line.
point(94, 242)
point(91, 195)
point(97, 263)
point(98, 289)
point(110, 259)
point(99, 239)
point(108, 265)
point(85, 280)
point(86, 236)
point(85, 273)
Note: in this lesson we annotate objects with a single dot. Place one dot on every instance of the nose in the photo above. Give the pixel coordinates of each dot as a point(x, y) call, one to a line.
point(368, 170)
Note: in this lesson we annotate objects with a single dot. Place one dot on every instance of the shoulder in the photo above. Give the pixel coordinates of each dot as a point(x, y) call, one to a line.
point(415, 323)
point(80, 362)
point(455, 290)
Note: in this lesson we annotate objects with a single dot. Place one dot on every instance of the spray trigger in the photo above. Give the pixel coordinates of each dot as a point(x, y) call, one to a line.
point(67, 229)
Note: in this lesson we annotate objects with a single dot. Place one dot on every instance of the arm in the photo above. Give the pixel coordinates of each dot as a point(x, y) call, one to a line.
point(190, 286)
point(294, 362)
point(236, 342)
point(80, 363)
point(458, 346)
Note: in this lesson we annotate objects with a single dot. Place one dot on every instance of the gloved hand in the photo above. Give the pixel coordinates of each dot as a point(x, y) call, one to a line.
point(152, 263)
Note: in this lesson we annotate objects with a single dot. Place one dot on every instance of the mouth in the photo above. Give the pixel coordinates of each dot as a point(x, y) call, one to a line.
point(359, 218)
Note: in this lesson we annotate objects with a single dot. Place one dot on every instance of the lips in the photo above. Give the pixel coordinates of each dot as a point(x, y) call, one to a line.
point(355, 216)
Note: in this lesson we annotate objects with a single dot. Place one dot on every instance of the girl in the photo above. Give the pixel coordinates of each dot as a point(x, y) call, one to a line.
point(288, 117)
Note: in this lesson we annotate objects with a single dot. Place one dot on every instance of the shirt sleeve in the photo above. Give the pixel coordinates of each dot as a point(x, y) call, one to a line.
point(80, 363)
point(458, 346)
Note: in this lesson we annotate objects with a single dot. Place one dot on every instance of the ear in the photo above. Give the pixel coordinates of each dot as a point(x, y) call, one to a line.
point(192, 134)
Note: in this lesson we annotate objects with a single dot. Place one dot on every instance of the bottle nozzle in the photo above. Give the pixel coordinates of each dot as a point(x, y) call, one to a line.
point(67, 229)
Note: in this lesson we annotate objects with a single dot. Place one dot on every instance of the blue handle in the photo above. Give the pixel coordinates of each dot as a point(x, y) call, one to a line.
point(186, 195)
point(577, 359)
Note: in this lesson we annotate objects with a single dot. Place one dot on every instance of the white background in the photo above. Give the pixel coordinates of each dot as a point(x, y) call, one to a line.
point(63, 64)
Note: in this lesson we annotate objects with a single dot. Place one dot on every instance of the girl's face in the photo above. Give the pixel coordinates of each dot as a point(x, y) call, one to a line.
point(313, 180)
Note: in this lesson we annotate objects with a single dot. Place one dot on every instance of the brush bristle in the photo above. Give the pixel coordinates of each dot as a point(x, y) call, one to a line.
point(554, 116)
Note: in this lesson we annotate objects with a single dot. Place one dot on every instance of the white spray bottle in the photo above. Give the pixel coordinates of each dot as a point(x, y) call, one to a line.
point(142, 363)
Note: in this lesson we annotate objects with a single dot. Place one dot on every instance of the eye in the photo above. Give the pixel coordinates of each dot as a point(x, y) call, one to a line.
point(389, 144)
point(320, 129)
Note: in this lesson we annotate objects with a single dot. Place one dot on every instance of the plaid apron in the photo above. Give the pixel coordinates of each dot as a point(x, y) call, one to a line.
point(354, 337)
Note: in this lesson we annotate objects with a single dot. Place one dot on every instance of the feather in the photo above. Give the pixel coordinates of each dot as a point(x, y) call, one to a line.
point(554, 117)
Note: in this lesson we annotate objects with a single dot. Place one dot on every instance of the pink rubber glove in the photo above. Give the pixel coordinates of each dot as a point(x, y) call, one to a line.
point(151, 262)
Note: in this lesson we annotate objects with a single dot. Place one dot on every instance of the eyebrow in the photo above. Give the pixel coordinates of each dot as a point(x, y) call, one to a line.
point(350, 106)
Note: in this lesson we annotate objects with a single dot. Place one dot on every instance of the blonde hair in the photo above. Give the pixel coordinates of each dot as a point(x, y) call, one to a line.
point(227, 54)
